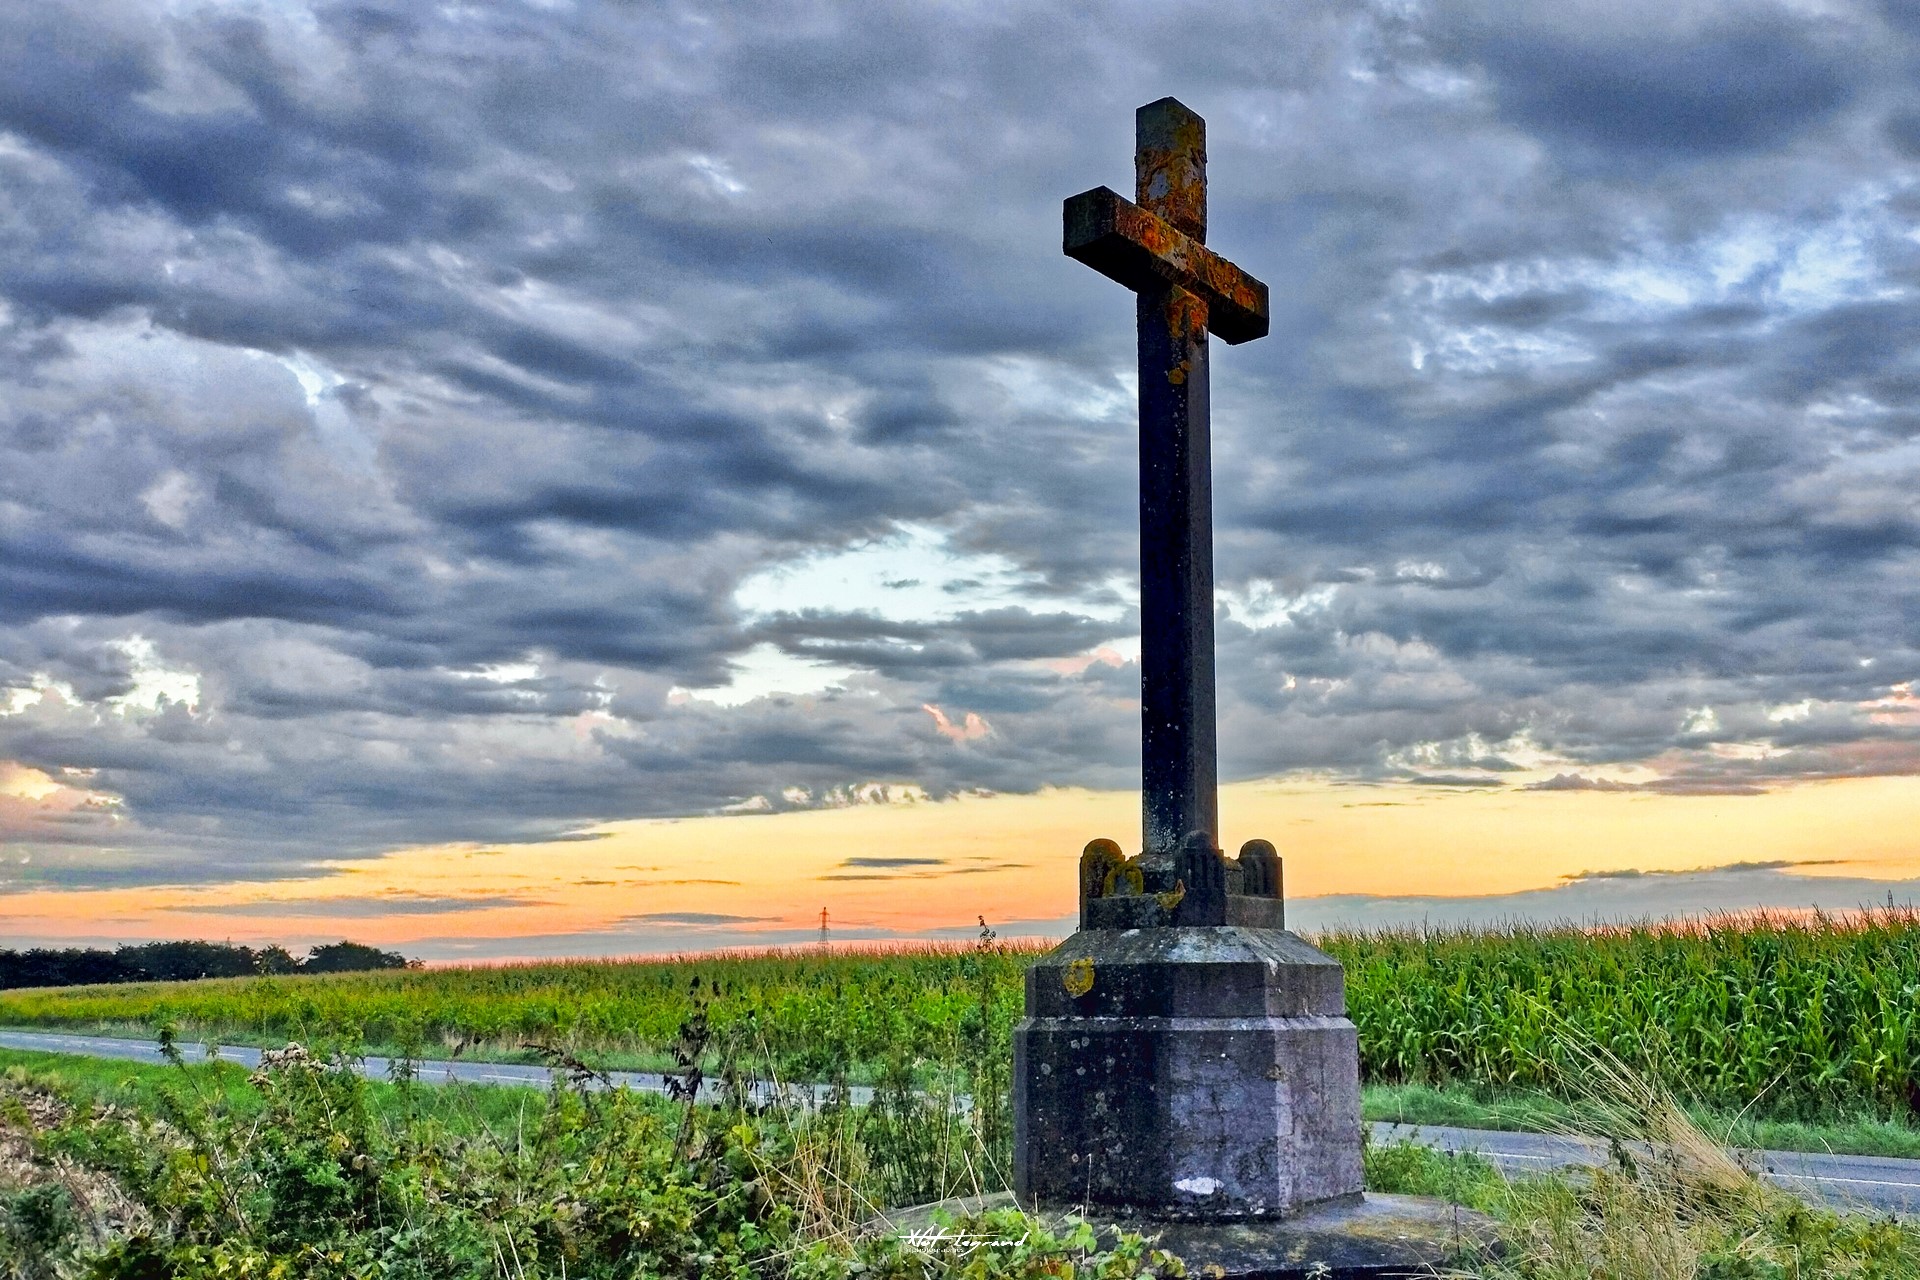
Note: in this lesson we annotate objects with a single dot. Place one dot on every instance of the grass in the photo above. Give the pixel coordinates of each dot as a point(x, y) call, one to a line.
point(147, 1087)
point(1411, 1169)
point(1672, 1204)
point(1535, 1111)
point(138, 1084)
point(132, 1171)
point(202, 1169)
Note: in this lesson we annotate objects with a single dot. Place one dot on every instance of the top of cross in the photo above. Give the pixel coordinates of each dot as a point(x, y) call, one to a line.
point(1170, 165)
point(1161, 240)
point(1186, 292)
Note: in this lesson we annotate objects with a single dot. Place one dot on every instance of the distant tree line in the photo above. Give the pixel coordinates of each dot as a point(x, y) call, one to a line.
point(174, 961)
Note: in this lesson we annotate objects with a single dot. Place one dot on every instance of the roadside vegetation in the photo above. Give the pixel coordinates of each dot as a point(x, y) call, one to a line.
point(123, 1171)
point(302, 1168)
point(1537, 1111)
point(120, 1171)
point(1799, 1026)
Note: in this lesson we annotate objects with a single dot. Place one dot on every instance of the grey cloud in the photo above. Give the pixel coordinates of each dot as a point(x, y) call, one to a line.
point(899, 869)
point(1612, 899)
point(693, 917)
point(641, 938)
point(365, 908)
point(1631, 873)
point(1650, 79)
point(423, 389)
point(1577, 782)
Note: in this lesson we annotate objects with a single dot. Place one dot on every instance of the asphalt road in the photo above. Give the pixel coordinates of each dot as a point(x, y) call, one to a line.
point(374, 1068)
point(1867, 1184)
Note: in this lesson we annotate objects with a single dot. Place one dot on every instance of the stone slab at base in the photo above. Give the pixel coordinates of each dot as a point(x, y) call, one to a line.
point(1206, 1072)
point(1367, 1236)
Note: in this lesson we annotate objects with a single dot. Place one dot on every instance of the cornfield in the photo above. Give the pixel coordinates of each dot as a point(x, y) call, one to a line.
point(1794, 1017)
point(813, 1013)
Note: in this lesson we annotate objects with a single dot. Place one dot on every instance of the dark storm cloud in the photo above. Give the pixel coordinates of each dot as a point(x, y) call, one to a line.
point(394, 401)
point(1648, 81)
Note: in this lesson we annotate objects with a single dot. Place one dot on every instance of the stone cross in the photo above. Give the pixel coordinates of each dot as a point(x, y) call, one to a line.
point(1157, 248)
point(1182, 1055)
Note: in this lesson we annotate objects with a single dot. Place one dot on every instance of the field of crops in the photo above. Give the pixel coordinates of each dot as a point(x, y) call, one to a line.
point(1793, 1017)
point(810, 1013)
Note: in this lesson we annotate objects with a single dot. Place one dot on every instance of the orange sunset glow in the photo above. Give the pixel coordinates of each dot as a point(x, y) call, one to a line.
point(923, 868)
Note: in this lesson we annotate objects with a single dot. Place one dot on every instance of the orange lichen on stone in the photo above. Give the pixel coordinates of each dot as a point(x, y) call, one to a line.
point(1097, 862)
point(1141, 250)
point(1077, 978)
point(1124, 881)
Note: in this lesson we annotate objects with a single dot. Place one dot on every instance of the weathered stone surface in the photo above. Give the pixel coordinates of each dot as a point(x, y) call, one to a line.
point(1156, 249)
point(1261, 873)
point(1144, 911)
point(1196, 886)
point(1362, 1236)
point(1183, 1055)
point(1196, 1072)
point(1210, 972)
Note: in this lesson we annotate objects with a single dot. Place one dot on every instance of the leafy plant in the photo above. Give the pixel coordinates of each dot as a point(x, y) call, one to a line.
point(307, 1174)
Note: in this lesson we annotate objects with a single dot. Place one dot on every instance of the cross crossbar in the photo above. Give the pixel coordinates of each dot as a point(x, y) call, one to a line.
point(1183, 292)
point(1139, 249)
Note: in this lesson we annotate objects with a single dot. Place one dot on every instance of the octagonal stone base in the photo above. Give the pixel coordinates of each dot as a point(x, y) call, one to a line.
point(1200, 1073)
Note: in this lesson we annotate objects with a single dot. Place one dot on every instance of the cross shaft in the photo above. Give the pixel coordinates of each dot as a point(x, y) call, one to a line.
point(1156, 247)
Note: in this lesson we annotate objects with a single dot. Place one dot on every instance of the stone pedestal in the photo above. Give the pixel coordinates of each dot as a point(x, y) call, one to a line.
point(1186, 1071)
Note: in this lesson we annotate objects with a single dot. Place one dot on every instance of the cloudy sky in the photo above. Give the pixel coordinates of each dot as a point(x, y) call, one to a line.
point(432, 429)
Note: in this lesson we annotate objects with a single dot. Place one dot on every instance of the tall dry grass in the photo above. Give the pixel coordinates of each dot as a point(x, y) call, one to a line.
point(1672, 1201)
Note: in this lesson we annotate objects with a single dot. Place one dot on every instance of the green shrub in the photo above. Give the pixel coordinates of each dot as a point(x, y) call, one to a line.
point(305, 1174)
